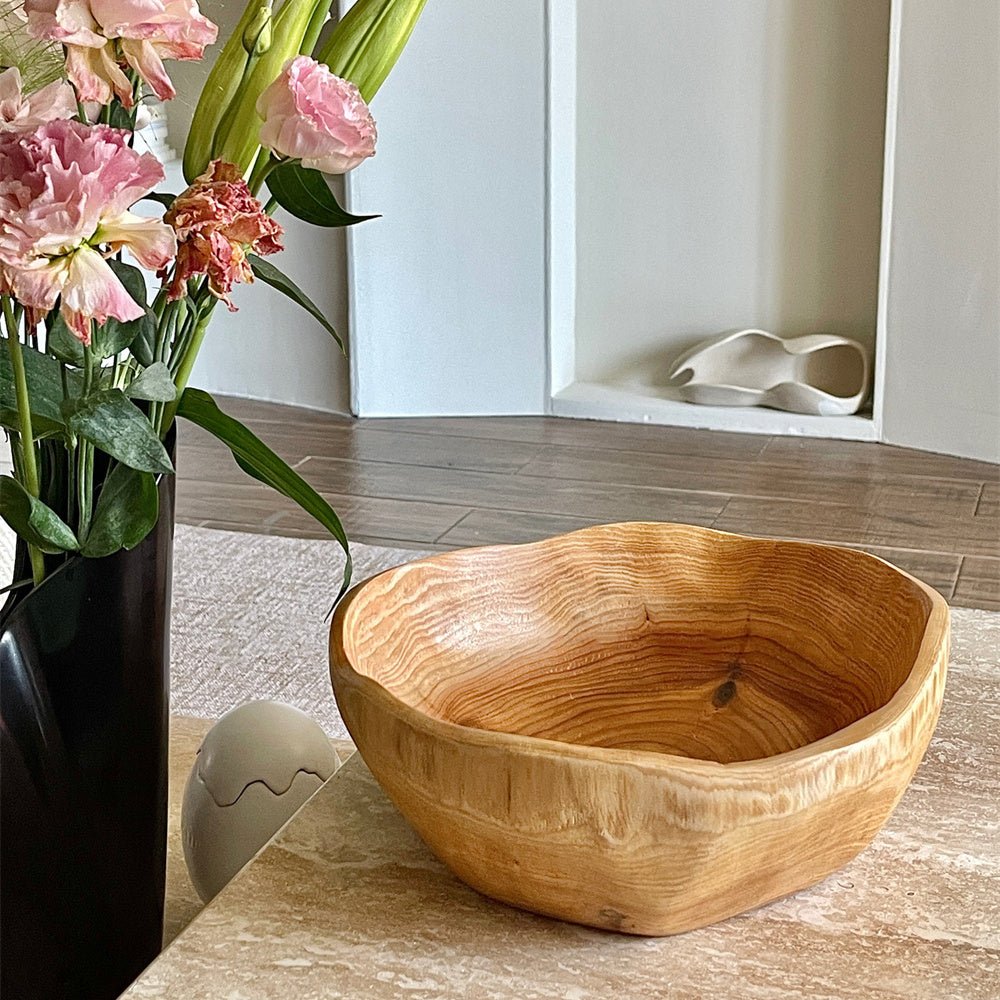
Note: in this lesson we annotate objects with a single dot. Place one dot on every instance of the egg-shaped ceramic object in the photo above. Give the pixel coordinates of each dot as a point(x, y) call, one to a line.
point(256, 766)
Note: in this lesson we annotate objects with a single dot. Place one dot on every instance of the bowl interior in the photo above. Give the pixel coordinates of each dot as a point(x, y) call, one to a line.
point(663, 638)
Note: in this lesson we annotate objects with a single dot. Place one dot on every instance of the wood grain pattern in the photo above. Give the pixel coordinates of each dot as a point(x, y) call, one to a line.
point(642, 727)
point(939, 570)
point(448, 481)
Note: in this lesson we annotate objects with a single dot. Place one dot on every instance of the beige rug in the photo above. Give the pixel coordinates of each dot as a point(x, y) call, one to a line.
point(249, 619)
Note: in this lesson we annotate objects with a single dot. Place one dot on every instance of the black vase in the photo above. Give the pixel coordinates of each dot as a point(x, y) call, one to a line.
point(84, 702)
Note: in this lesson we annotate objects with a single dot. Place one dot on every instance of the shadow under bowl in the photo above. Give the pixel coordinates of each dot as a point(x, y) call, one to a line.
point(642, 727)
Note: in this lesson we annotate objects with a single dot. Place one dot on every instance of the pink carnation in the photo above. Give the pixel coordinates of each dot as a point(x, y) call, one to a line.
point(26, 112)
point(218, 221)
point(313, 116)
point(65, 191)
point(101, 35)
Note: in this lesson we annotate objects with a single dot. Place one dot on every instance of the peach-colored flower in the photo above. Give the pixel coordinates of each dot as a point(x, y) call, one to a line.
point(65, 191)
point(218, 222)
point(28, 111)
point(313, 116)
point(102, 35)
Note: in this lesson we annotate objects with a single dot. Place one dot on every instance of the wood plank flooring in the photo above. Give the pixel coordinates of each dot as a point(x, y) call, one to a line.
point(439, 483)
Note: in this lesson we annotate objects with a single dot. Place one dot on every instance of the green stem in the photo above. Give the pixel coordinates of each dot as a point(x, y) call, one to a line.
point(88, 369)
point(27, 437)
point(85, 487)
point(316, 22)
point(85, 456)
point(202, 317)
point(263, 168)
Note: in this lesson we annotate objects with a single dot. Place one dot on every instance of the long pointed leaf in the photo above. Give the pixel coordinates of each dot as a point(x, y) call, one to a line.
point(270, 275)
point(255, 458)
point(306, 194)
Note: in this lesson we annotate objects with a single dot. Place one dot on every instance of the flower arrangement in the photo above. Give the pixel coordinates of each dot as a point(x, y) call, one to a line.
point(95, 367)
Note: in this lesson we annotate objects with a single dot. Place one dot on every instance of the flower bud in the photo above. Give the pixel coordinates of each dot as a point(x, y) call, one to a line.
point(257, 34)
point(366, 43)
point(238, 142)
point(220, 88)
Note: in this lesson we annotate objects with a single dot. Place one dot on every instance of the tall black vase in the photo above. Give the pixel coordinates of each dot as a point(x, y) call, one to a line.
point(84, 677)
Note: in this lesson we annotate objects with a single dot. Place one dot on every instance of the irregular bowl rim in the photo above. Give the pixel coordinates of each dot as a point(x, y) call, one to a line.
point(855, 734)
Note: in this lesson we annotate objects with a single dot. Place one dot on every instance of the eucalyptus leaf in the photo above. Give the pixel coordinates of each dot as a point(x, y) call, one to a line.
point(307, 196)
point(115, 425)
point(270, 275)
point(45, 391)
point(126, 511)
point(35, 522)
point(256, 459)
point(154, 383)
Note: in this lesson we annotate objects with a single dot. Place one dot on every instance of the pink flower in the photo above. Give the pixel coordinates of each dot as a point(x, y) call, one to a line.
point(218, 221)
point(313, 116)
point(21, 112)
point(65, 191)
point(101, 35)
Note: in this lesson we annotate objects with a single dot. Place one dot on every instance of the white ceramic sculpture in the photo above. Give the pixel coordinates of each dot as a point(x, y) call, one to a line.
point(256, 766)
point(820, 373)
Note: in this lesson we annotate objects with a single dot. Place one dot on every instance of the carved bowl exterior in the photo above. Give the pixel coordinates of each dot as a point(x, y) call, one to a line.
point(642, 727)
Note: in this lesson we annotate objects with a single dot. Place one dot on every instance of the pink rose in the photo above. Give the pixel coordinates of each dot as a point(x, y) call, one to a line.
point(218, 221)
point(101, 35)
point(21, 112)
point(313, 116)
point(65, 191)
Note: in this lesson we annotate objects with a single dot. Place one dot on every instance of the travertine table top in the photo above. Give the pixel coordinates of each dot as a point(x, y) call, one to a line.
point(347, 902)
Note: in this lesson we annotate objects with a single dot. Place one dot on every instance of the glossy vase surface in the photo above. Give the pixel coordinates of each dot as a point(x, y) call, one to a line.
point(84, 715)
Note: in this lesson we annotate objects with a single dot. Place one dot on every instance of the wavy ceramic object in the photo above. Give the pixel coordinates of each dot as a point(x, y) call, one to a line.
point(256, 766)
point(820, 373)
point(642, 727)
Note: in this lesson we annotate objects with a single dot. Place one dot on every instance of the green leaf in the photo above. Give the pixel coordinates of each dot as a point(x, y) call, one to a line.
point(120, 116)
point(45, 392)
point(125, 512)
point(113, 336)
point(255, 458)
point(111, 422)
point(37, 523)
point(270, 275)
point(306, 194)
point(154, 383)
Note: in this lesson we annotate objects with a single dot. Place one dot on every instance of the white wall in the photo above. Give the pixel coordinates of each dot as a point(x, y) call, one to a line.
point(942, 369)
point(270, 348)
point(448, 304)
point(729, 165)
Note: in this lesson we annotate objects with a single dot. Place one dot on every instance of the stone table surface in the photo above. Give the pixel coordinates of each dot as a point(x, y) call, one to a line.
point(347, 902)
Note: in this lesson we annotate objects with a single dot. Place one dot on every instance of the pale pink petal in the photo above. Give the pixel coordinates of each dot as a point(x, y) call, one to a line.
point(150, 241)
point(96, 75)
point(316, 117)
point(39, 282)
point(10, 93)
point(19, 111)
point(68, 21)
point(93, 291)
point(144, 59)
point(54, 101)
point(176, 25)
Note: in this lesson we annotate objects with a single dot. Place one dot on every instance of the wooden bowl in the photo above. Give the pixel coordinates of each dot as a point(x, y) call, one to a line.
point(642, 727)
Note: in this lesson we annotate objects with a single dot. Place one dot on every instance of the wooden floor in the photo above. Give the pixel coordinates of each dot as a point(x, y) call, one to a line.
point(439, 483)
